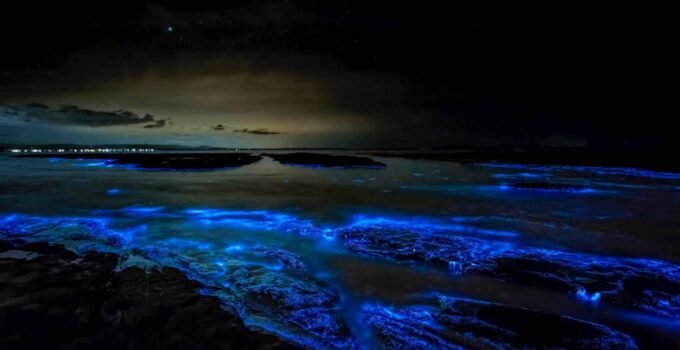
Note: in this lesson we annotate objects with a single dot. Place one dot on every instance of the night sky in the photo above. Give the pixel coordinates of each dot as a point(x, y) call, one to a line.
point(335, 74)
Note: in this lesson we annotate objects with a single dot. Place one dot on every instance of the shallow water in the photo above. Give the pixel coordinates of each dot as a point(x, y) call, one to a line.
point(268, 227)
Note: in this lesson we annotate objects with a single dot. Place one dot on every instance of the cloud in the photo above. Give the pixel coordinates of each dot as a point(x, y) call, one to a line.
point(219, 127)
point(260, 131)
point(157, 124)
point(73, 115)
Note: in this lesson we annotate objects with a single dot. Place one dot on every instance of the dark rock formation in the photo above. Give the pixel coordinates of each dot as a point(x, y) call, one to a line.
point(324, 160)
point(297, 303)
point(161, 161)
point(54, 299)
point(642, 284)
point(648, 285)
point(273, 292)
point(463, 323)
point(439, 248)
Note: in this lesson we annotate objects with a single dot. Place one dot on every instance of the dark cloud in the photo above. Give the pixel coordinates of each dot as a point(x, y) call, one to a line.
point(73, 115)
point(157, 124)
point(260, 131)
point(218, 127)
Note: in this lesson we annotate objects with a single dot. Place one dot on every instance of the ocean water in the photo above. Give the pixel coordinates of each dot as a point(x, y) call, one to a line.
point(306, 253)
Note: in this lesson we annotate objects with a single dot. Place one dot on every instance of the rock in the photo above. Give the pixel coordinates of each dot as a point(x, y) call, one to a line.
point(4, 246)
point(57, 302)
point(464, 323)
point(324, 160)
point(512, 327)
point(407, 328)
point(296, 304)
point(438, 248)
point(273, 292)
point(57, 250)
point(641, 284)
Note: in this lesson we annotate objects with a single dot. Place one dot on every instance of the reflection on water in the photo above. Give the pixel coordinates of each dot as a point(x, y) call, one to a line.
point(322, 244)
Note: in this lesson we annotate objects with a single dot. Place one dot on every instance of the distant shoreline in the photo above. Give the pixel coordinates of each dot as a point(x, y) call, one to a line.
point(553, 157)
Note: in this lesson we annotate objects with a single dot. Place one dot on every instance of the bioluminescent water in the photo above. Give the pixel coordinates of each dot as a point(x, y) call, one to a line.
point(383, 257)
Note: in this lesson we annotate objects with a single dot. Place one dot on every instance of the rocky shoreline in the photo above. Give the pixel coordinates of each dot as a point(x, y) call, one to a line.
point(53, 298)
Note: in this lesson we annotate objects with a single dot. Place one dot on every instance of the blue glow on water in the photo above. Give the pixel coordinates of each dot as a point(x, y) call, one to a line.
point(328, 234)
point(595, 296)
point(424, 224)
point(253, 219)
point(142, 211)
point(113, 164)
point(521, 175)
point(234, 247)
point(612, 171)
point(455, 267)
point(565, 189)
point(216, 213)
point(582, 294)
point(269, 220)
point(113, 191)
point(102, 164)
point(187, 243)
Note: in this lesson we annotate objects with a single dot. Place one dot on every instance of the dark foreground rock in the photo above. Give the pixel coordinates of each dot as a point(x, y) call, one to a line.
point(161, 161)
point(325, 160)
point(647, 285)
point(273, 291)
point(463, 323)
point(53, 299)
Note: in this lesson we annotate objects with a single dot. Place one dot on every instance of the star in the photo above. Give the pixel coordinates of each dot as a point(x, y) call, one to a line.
point(170, 29)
